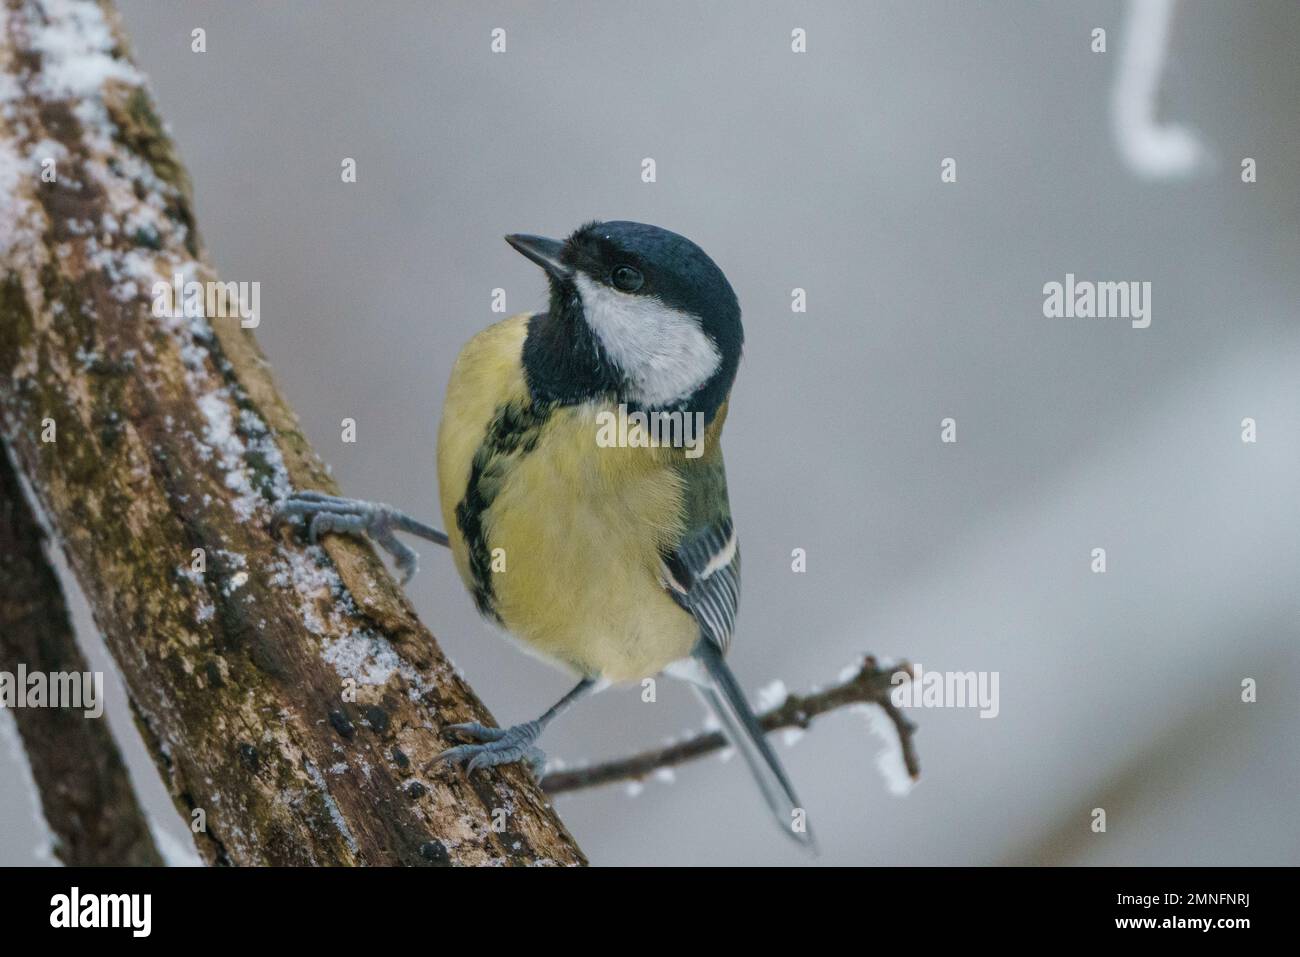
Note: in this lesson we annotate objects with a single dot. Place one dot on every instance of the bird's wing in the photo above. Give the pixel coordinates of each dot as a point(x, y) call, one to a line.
point(703, 576)
point(702, 572)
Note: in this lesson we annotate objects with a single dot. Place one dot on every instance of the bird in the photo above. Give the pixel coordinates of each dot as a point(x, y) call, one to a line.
point(616, 561)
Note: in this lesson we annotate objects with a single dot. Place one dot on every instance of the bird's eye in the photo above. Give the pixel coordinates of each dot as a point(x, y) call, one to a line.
point(626, 278)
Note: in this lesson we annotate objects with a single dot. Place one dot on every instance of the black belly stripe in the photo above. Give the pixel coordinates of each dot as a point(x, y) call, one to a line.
point(514, 432)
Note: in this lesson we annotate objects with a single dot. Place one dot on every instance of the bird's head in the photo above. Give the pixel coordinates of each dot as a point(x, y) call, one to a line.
point(642, 312)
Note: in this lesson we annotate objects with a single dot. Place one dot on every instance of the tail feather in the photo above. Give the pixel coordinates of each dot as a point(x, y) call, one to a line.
point(721, 692)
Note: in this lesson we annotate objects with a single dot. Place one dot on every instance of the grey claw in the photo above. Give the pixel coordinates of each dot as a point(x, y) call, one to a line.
point(311, 495)
point(457, 754)
point(408, 570)
point(487, 759)
point(477, 732)
point(495, 746)
point(329, 513)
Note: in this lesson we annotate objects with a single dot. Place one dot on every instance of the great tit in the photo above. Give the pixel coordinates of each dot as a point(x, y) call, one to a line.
point(617, 563)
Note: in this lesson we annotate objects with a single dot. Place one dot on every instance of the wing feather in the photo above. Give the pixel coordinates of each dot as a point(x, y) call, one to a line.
point(702, 574)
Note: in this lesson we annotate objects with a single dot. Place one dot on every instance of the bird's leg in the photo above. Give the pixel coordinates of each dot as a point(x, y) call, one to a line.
point(507, 745)
point(329, 513)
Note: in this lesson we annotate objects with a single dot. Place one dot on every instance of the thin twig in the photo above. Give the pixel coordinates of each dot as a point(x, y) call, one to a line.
point(870, 685)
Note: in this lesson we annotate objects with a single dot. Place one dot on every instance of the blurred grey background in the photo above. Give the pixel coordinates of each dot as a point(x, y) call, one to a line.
point(821, 171)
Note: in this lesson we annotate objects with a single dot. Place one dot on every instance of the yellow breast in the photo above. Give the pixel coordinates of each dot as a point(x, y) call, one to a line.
point(571, 533)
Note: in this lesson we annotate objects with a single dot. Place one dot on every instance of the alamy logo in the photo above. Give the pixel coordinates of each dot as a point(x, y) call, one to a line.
point(647, 430)
point(1084, 299)
point(214, 300)
point(103, 910)
point(78, 690)
point(947, 689)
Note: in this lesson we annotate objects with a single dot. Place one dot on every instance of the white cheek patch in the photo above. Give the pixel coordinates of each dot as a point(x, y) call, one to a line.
point(663, 352)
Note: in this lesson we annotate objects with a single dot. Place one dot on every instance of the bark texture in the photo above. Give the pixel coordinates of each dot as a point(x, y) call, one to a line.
point(288, 693)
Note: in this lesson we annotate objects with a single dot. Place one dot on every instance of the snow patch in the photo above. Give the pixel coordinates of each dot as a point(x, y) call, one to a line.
point(772, 695)
point(364, 656)
point(44, 849)
point(889, 760)
point(175, 852)
point(335, 814)
point(76, 44)
point(367, 659)
point(13, 208)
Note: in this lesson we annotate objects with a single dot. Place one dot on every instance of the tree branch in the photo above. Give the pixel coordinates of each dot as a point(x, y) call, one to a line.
point(85, 792)
point(287, 694)
point(870, 685)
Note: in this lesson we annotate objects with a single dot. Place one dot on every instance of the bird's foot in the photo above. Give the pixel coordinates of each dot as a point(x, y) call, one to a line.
point(349, 516)
point(493, 746)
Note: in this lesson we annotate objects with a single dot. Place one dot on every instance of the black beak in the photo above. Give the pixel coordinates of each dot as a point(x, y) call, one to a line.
point(545, 252)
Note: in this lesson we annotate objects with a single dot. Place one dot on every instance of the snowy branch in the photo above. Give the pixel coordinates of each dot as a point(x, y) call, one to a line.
point(83, 790)
point(869, 685)
point(1149, 147)
point(286, 693)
